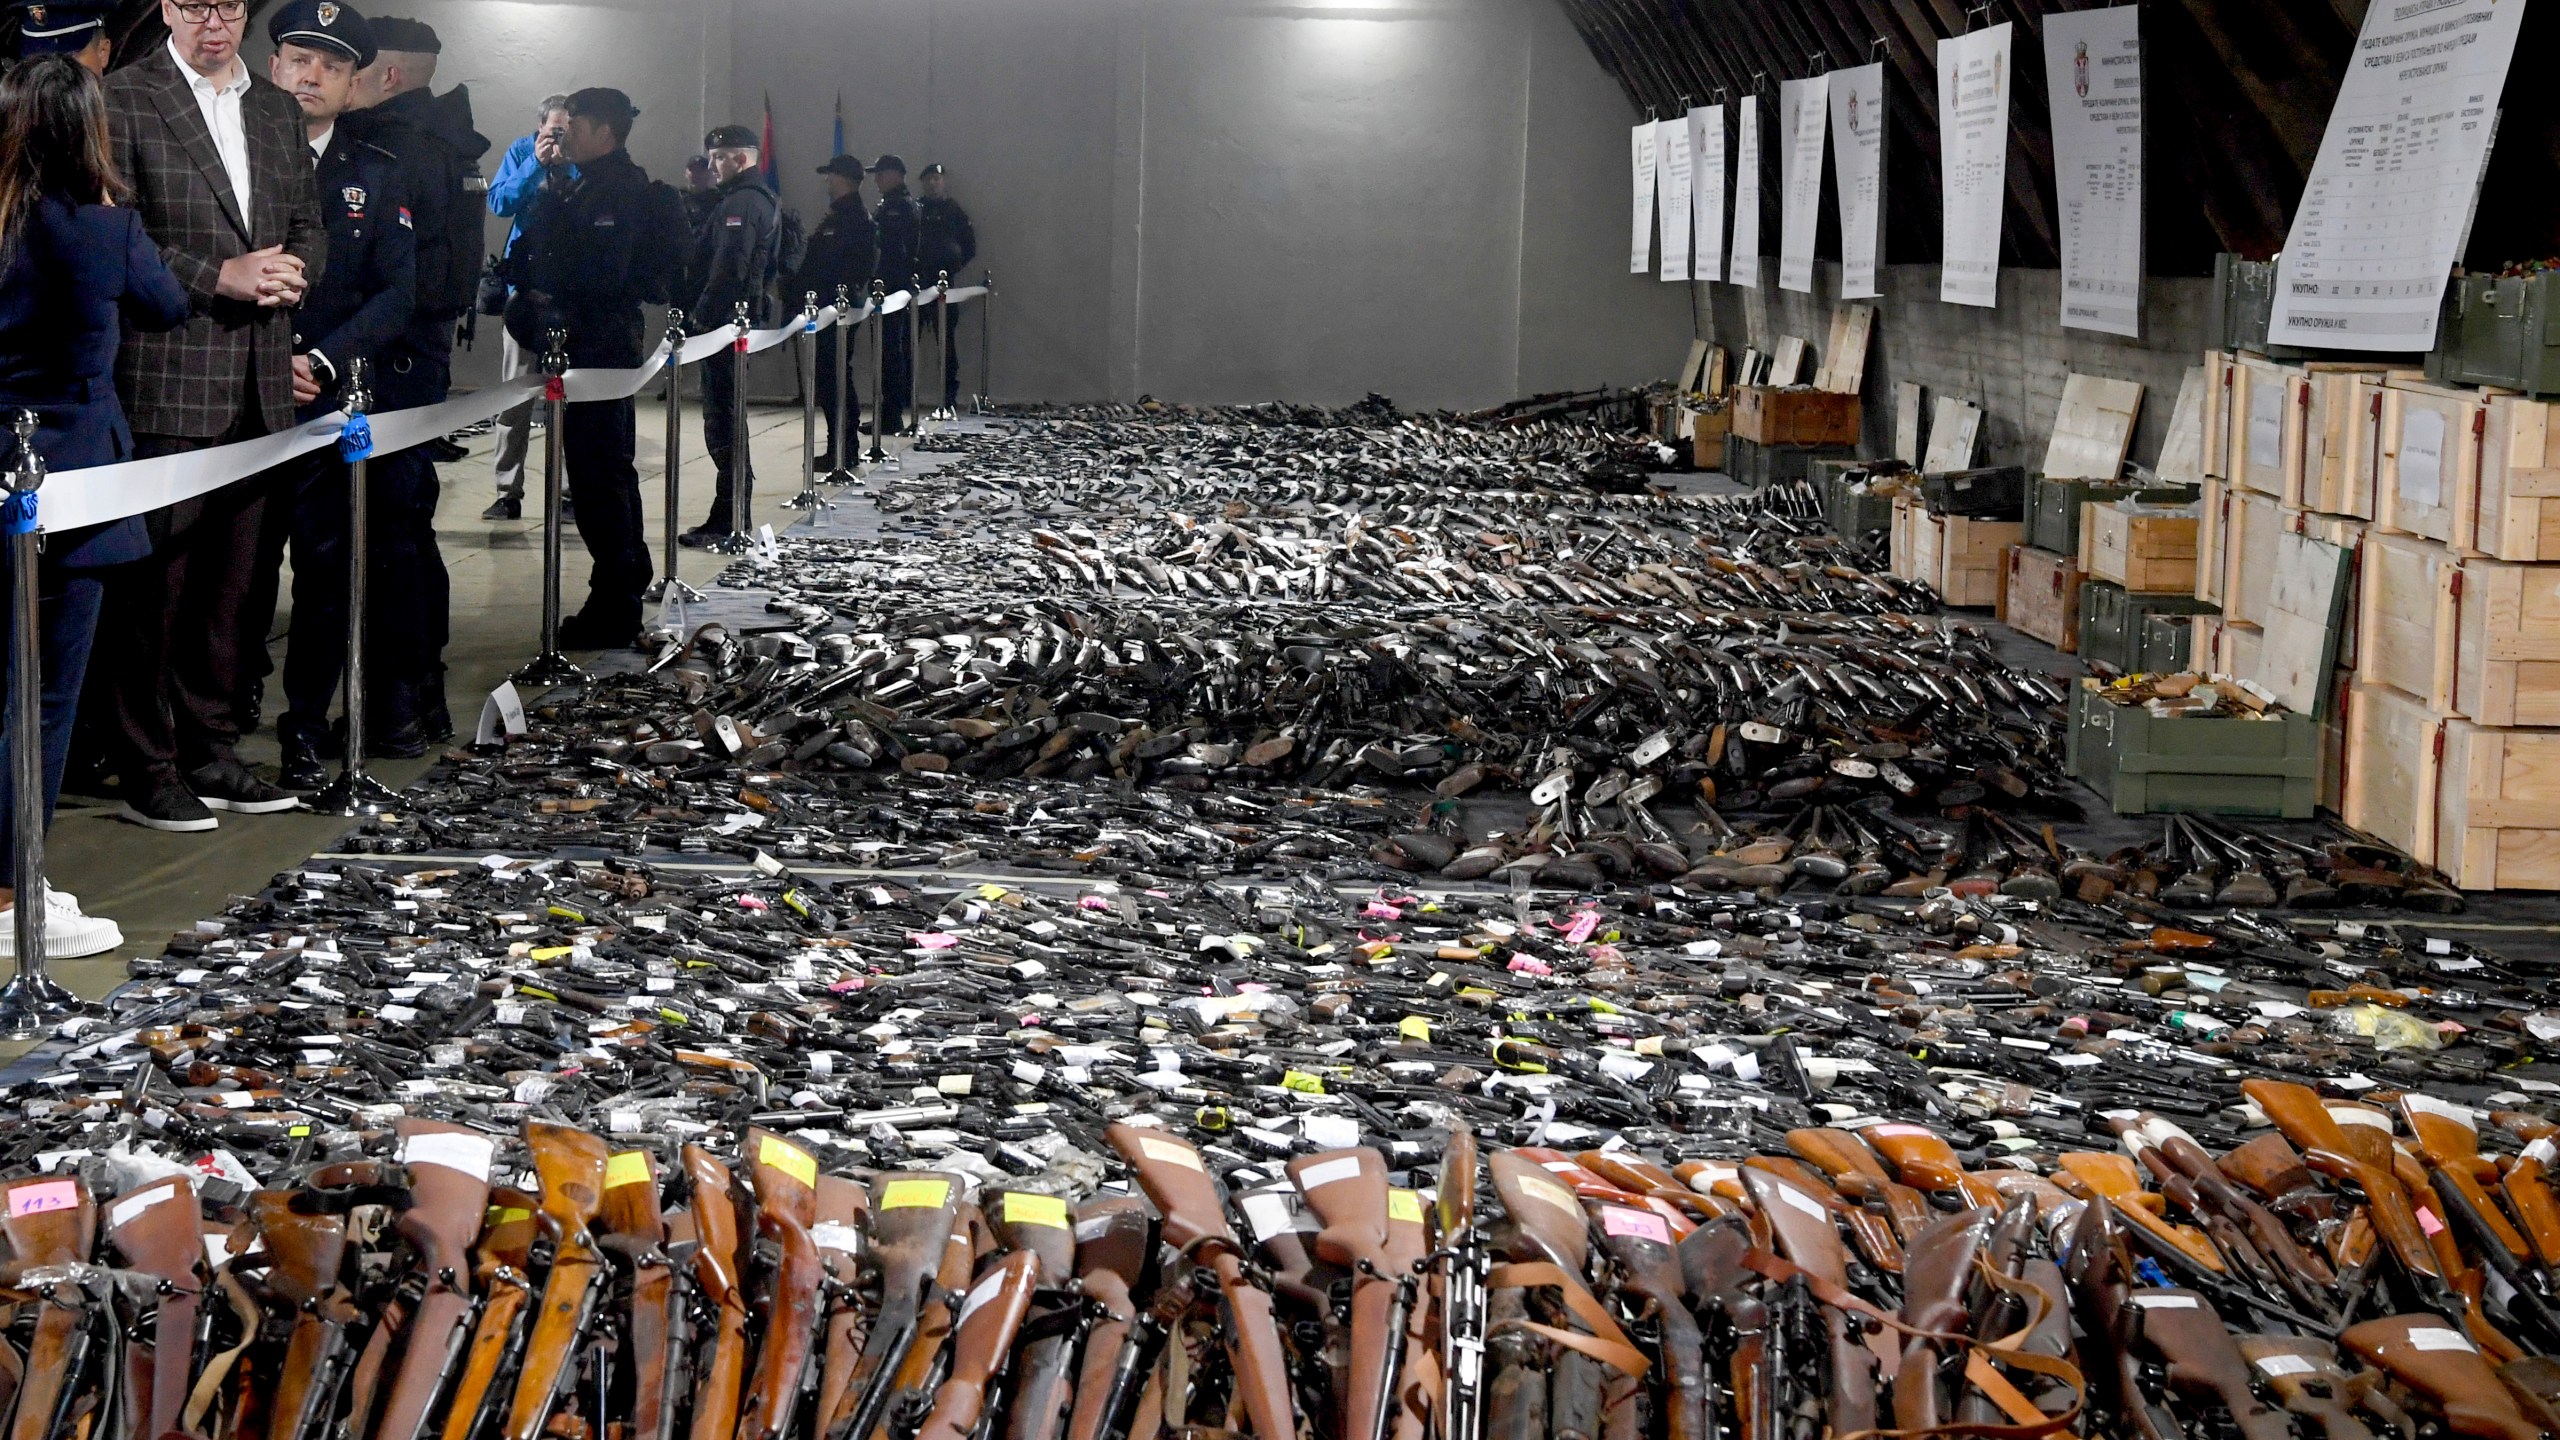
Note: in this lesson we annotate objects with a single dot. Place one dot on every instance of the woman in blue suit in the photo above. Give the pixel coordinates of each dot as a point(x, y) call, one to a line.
point(74, 269)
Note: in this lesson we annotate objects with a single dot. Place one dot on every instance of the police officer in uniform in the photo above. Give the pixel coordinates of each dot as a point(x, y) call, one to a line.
point(362, 303)
point(77, 28)
point(945, 244)
point(844, 250)
point(733, 258)
point(594, 239)
point(898, 221)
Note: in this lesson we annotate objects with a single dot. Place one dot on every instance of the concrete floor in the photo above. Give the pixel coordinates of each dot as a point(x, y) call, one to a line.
point(154, 884)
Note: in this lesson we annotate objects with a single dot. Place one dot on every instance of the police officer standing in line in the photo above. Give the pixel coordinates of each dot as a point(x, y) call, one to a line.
point(898, 220)
point(733, 259)
point(945, 244)
point(77, 28)
point(363, 302)
point(596, 246)
point(844, 250)
point(439, 155)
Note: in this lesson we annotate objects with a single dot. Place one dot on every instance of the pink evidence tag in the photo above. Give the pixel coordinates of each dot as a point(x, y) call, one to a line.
point(2428, 1222)
point(41, 1199)
point(1583, 925)
point(1635, 1224)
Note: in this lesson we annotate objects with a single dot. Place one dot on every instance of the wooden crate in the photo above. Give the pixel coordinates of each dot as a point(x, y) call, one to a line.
point(2041, 596)
point(2139, 549)
point(2238, 647)
point(2215, 503)
point(1795, 415)
point(2469, 636)
point(2478, 802)
point(2249, 530)
point(2333, 742)
point(2342, 440)
point(2348, 535)
point(2430, 456)
point(2266, 427)
point(1967, 558)
point(1903, 546)
point(2218, 365)
point(2515, 512)
point(1707, 432)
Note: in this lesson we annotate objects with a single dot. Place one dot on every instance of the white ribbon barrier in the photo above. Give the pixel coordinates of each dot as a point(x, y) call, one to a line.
point(74, 498)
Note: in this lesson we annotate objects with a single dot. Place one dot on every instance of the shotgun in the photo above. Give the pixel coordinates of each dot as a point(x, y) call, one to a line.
point(929, 1359)
point(785, 1178)
point(1858, 1175)
point(2200, 1358)
point(304, 1256)
point(912, 1213)
point(449, 1181)
point(571, 1165)
point(2449, 1138)
point(720, 1291)
point(1171, 1173)
point(2527, 1183)
point(844, 1212)
point(2114, 1176)
point(1927, 1163)
point(2443, 1365)
point(1038, 1225)
point(159, 1231)
point(980, 1339)
point(1115, 1242)
point(49, 1222)
point(499, 1270)
point(631, 1234)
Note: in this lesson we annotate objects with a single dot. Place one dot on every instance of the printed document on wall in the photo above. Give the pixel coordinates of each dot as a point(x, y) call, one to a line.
point(1706, 190)
point(1973, 149)
point(2382, 220)
point(1671, 143)
point(1857, 171)
point(2093, 71)
point(1640, 151)
point(1743, 265)
point(1804, 107)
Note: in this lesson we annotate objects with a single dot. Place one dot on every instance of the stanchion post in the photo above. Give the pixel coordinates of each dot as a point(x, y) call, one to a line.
point(809, 499)
point(915, 341)
point(552, 667)
point(880, 368)
point(354, 792)
point(848, 446)
point(987, 343)
point(32, 1000)
point(670, 586)
point(942, 363)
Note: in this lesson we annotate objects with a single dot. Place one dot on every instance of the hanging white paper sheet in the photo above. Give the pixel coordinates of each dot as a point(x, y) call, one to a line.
point(1671, 144)
point(1640, 144)
point(2093, 71)
point(1857, 172)
point(1973, 150)
point(2390, 197)
point(1804, 108)
point(1742, 265)
point(1707, 180)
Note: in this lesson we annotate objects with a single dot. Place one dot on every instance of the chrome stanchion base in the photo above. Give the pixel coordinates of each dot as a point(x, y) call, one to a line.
point(670, 588)
point(946, 415)
point(550, 668)
point(841, 477)
point(733, 543)
point(808, 500)
point(32, 1004)
point(352, 794)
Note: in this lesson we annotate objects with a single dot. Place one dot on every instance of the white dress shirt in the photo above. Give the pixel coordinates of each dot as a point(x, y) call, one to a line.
point(220, 102)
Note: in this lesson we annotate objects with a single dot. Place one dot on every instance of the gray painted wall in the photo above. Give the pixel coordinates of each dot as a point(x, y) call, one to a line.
point(2012, 361)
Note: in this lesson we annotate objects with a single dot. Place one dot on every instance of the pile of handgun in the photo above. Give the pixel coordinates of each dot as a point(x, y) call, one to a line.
point(2332, 1276)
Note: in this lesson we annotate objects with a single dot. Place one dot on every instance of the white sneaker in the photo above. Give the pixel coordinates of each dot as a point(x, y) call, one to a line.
point(68, 934)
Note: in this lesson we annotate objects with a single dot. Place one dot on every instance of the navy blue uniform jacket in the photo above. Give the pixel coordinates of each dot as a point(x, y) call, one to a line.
point(79, 272)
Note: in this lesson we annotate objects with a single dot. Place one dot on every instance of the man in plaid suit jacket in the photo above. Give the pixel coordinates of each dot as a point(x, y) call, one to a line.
point(222, 176)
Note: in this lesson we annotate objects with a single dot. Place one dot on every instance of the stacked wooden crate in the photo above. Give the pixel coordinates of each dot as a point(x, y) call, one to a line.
point(2452, 732)
point(1780, 427)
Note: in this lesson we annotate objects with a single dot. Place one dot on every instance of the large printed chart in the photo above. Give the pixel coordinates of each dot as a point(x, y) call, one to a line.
point(1671, 146)
point(1804, 108)
point(1973, 144)
point(1706, 190)
point(2093, 69)
point(1640, 154)
point(2399, 170)
point(1743, 265)
point(1857, 170)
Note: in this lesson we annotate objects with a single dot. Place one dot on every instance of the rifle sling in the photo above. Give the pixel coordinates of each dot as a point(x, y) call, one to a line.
point(218, 1369)
point(1607, 1344)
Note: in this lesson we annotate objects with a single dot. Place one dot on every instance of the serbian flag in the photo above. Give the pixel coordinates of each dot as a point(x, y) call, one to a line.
point(771, 165)
point(839, 145)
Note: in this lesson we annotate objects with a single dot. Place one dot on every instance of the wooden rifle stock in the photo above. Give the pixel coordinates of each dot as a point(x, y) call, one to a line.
point(1114, 1240)
point(1347, 1190)
point(631, 1232)
point(844, 1209)
point(1413, 1390)
point(1458, 1297)
point(2299, 1113)
point(715, 1276)
point(1038, 1225)
point(2113, 1176)
point(2443, 1365)
point(785, 1178)
point(2201, 1358)
point(2449, 1137)
point(1934, 1297)
point(1807, 1236)
point(2307, 1381)
point(1170, 1171)
point(304, 1255)
point(505, 1249)
point(449, 1181)
point(2527, 1183)
point(929, 1359)
point(1711, 1264)
point(1641, 1244)
point(980, 1341)
point(159, 1231)
point(1926, 1162)
point(571, 1164)
point(1549, 1229)
point(911, 1218)
point(47, 1222)
point(1858, 1175)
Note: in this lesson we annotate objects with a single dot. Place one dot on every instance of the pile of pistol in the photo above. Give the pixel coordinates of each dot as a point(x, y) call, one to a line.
point(2331, 1277)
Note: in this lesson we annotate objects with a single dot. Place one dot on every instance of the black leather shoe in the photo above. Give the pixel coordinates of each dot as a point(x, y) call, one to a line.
point(505, 507)
point(226, 784)
point(582, 632)
point(303, 769)
point(395, 742)
point(165, 804)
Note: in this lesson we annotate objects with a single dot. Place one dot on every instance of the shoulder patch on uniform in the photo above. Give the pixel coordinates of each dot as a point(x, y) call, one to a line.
point(405, 222)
